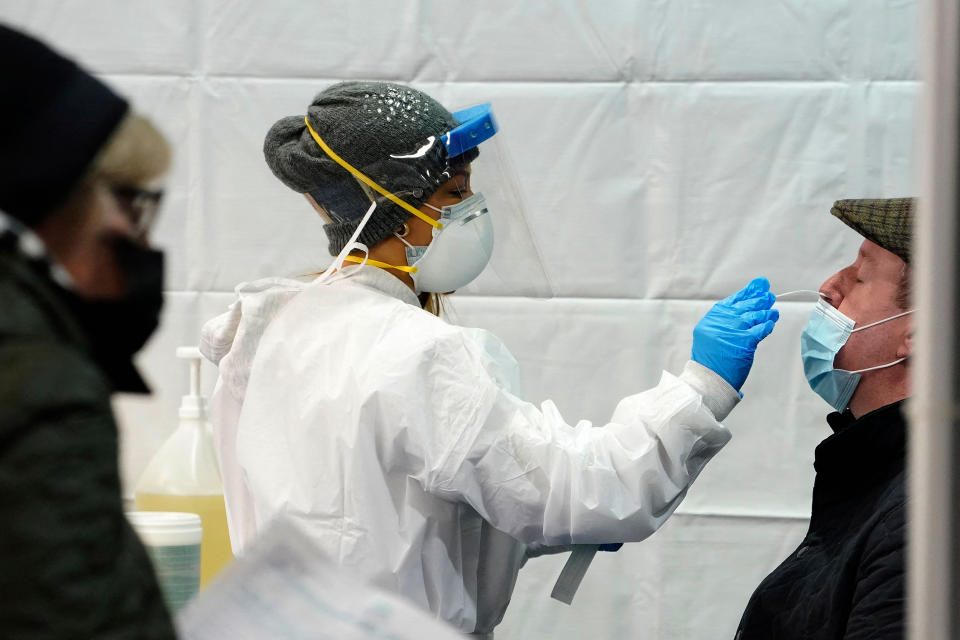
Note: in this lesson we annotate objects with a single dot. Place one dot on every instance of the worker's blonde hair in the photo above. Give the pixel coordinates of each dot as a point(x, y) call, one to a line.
point(434, 304)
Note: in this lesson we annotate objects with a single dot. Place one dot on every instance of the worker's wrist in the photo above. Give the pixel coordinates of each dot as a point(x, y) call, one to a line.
point(719, 397)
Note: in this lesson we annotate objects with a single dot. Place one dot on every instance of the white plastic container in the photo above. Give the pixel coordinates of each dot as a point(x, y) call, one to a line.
point(173, 542)
point(184, 475)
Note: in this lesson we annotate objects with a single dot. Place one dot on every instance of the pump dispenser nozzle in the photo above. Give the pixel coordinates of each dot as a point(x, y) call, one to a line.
point(193, 406)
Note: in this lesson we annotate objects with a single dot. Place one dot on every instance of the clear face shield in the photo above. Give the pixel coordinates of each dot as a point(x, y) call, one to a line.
point(482, 237)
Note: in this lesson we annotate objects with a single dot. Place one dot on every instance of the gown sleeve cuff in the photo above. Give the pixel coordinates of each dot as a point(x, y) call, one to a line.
point(716, 392)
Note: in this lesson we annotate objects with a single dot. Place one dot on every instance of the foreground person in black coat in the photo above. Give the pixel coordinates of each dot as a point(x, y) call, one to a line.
point(846, 579)
point(80, 292)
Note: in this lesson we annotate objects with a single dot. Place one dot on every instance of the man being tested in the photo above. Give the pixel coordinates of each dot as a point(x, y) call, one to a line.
point(846, 580)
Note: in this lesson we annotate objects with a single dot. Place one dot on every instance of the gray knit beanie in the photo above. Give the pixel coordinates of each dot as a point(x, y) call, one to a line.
point(368, 124)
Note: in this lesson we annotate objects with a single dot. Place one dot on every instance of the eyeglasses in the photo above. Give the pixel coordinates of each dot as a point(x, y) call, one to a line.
point(140, 206)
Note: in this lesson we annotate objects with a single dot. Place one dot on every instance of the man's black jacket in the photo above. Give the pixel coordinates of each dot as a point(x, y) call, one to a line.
point(846, 579)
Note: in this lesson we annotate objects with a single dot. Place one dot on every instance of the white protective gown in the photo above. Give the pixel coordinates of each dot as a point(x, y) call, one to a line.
point(397, 443)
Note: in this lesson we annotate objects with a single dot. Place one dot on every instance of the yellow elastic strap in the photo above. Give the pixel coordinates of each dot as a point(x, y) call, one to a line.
point(377, 263)
point(370, 183)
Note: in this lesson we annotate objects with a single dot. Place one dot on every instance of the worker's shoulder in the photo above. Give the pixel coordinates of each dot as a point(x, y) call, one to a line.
point(457, 349)
point(42, 376)
point(387, 325)
point(431, 331)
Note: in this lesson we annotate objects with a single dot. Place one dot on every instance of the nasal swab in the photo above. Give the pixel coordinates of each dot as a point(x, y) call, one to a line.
point(786, 294)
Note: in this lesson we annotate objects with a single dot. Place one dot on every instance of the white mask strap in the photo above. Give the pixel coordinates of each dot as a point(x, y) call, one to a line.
point(873, 324)
point(352, 244)
point(427, 204)
point(401, 239)
point(881, 366)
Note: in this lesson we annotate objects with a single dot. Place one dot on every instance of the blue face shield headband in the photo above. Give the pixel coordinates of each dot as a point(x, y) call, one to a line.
point(825, 334)
point(477, 125)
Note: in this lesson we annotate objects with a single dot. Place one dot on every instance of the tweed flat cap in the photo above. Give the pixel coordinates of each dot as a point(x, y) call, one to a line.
point(887, 222)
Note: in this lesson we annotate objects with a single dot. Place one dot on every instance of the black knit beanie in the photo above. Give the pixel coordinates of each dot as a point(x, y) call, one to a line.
point(54, 118)
point(378, 127)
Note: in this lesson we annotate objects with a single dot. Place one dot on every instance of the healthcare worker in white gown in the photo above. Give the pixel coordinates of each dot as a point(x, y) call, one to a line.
point(400, 443)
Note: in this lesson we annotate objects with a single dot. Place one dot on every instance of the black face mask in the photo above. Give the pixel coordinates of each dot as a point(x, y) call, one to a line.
point(118, 327)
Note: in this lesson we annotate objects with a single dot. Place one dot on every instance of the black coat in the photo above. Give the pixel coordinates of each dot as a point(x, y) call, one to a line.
point(846, 579)
point(70, 565)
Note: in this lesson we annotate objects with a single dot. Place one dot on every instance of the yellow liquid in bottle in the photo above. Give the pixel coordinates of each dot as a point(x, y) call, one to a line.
point(215, 551)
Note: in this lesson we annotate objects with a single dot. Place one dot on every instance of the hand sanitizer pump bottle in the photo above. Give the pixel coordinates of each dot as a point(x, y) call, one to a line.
point(184, 475)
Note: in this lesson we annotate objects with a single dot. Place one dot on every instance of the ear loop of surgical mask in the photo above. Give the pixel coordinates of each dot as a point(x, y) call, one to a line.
point(353, 245)
point(852, 331)
point(404, 241)
point(376, 263)
point(873, 324)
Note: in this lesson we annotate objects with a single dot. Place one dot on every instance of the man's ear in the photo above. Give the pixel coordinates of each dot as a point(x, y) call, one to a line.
point(905, 350)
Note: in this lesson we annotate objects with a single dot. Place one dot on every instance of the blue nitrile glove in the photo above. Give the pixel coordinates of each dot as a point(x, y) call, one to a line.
point(726, 337)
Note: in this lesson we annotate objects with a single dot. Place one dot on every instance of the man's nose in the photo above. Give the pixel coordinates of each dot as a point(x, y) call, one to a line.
point(832, 289)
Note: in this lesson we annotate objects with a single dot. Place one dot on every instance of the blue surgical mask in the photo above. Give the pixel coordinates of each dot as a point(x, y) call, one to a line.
point(826, 333)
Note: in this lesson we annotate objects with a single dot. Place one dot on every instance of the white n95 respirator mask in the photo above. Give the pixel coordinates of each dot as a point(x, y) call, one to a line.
point(459, 251)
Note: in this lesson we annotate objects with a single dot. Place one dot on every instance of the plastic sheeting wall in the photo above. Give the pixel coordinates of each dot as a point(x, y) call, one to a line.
point(669, 151)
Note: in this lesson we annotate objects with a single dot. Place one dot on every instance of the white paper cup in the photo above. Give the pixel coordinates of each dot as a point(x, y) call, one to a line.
point(173, 544)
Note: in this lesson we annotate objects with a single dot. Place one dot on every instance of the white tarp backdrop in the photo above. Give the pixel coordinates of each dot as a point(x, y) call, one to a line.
point(669, 152)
